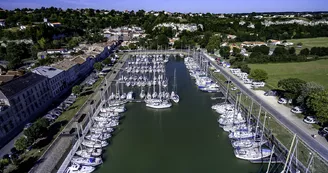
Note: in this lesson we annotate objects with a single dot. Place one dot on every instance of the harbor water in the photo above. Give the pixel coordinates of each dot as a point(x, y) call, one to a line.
point(185, 138)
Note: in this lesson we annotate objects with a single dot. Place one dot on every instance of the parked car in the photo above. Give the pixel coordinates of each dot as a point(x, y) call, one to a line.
point(297, 110)
point(217, 71)
point(50, 117)
point(310, 120)
point(270, 93)
point(234, 89)
point(284, 101)
point(323, 132)
point(56, 113)
point(28, 125)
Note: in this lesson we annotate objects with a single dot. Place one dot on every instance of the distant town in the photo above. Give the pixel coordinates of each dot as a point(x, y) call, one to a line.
point(57, 68)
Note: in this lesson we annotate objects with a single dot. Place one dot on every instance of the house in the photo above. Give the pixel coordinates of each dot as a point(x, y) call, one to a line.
point(56, 79)
point(274, 42)
point(2, 22)
point(252, 44)
point(231, 37)
point(55, 51)
point(22, 100)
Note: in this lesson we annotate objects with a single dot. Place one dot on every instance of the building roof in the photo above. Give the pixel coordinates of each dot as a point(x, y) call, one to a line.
point(64, 64)
point(78, 60)
point(20, 84)
point(15, 73)
point(6, 78)
point(47, 71)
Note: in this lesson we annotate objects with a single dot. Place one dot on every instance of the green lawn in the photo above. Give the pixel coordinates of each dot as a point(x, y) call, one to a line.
point(311, 42)
point(316, 71)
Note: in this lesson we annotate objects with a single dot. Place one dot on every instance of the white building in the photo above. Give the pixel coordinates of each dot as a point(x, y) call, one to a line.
point(56, 79)
point(22, 100)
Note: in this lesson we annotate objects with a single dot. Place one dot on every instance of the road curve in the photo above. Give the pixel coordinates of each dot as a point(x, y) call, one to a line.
point(307, 139)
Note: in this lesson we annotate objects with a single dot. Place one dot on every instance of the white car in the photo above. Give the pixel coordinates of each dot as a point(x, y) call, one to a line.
point(310, 120)
point(234, 89)
point(284, 101)
point(297, 110)
point(217, 71)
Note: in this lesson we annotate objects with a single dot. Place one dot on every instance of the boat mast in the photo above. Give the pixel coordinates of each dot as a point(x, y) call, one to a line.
point(265, 117)
point(174, 86)
point(289, 152)
point(291, 158)
point(257, 123)
point(272, 151)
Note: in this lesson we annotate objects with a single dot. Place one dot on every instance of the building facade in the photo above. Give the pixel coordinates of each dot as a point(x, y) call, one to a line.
point(22, 100)
point(56, 79)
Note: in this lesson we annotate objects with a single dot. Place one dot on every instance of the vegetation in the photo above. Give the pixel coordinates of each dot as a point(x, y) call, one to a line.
point(317, 102)
point(292, 87)
point(258, 75)
point(77, 89)
point(315, 71)
point(97, 66)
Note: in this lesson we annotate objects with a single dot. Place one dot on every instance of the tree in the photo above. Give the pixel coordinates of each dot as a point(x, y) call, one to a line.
point(299, 44)
point(292, 86)
point(97, 66)
point(107, 61)
point(258, 75)
point(307, 89)
point(225, 51)
point(213, 43)
point(235, 51)
point(244, 68)
point(133, 46)
point(317, 103)
point(21, 143)
point(76, 89)
point(36, 130)
point(292, 51)
point(42, 43)
point(305, 52)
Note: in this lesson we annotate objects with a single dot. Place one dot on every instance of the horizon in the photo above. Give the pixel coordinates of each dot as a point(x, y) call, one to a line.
point(180, 6)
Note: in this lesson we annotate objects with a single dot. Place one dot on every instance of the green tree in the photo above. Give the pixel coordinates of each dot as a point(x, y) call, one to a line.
point(244, 68)
point(292, 51)
point(225, 51)
point(305, 52)
point(76, 89)
point(307, 89)
point(292, 86)
point(107, 61)
point(42, 43)
point(213, 43)
point(133, 46)
point(317, 103)
point(258, 75)
point(97, 66)
point(21, 143)
point(235, 51)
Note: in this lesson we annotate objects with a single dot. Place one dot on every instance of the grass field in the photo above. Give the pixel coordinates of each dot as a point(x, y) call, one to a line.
point(316, 71)
point(310, 42)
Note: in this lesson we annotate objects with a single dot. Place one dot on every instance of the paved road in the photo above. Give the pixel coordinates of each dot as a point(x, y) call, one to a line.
point(321, 149)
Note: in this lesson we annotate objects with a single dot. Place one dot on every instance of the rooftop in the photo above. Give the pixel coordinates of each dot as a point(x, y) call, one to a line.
point(64, 64)
point(47, 71)
point(6, 78)
point(21, 83)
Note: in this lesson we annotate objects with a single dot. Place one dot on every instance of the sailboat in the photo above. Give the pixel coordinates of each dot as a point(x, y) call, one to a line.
point(174, 96)
point(142, 94)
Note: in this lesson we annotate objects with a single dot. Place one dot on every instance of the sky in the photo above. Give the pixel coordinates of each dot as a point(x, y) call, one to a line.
point(213, 6)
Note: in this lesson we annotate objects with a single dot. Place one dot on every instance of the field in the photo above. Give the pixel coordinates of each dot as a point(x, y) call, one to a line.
point(310, 42)
point(316, 71)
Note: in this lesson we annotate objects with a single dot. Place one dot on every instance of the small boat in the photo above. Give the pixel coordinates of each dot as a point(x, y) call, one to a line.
point(92, 161)
point(76, 168)
point(159, 104)
point(89, 152)
point(93, 144)
point(252, 153)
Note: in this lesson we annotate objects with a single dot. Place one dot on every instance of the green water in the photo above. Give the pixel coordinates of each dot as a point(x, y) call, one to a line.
point(183, 139)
